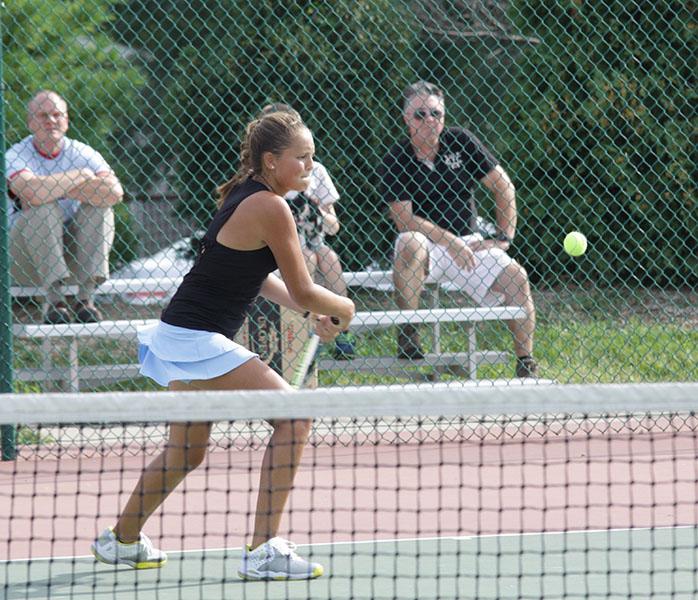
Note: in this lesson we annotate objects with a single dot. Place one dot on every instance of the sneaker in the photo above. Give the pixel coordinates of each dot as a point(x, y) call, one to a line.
point(57, 314)
point(408, 346)
point(276, 560)
point(344, 346)
point(86, 312)
point(526, 366)
point(139, 555)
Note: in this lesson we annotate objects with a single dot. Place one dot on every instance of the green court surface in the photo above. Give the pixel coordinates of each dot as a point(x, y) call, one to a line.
point(637, 564)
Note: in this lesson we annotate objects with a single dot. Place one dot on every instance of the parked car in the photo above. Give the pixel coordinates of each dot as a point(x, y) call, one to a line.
point(161, 273)
point(168, 265)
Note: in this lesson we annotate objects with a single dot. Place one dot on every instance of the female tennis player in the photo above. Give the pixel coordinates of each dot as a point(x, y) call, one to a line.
point(192, 346)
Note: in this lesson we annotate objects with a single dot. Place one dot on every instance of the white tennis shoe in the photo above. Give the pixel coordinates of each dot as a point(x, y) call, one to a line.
point(276, 560)
point(138, 555)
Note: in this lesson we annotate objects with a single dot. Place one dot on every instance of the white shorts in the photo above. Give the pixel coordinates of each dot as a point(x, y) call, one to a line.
point(477, 282)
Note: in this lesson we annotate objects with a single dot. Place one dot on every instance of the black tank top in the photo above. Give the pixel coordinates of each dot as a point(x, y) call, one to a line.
point(217, 292)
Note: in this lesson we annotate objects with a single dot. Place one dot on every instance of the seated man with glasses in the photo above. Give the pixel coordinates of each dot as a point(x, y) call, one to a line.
point(61, 221)
point(427, 181)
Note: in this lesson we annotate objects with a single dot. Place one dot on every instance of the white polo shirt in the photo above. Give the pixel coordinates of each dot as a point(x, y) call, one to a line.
point(23, 156)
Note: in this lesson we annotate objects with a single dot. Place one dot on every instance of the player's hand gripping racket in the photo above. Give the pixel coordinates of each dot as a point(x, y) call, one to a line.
point(307, 359)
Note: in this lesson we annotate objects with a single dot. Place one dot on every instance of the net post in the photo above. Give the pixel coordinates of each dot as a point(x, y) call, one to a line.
point(8, 433)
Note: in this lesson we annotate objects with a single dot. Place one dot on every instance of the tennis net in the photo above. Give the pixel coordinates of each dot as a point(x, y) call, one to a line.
point(418, 491)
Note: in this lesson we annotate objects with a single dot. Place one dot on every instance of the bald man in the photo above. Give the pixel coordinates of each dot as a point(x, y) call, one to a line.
point(61, 217)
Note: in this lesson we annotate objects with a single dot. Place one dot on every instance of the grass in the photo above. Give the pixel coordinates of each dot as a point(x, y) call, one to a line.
point(26, 436)
point(583, 336)
point(608, 352)
point(569, 352)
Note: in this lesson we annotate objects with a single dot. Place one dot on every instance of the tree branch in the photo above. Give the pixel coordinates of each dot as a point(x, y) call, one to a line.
point(518, 39)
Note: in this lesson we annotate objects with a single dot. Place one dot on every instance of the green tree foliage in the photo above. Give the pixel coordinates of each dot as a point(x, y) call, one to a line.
point(62, 46)
point(214, 64)
point(599, 138)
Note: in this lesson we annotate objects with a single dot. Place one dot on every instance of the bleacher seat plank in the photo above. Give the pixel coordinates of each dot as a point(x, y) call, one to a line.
point(163, 284)
point(111, 329)
point(386, 318)
point(79, 376)
point(392, 364)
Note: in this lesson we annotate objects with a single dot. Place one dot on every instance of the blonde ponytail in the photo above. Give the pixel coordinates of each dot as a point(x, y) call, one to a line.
point(245, 169)
point(270, 133)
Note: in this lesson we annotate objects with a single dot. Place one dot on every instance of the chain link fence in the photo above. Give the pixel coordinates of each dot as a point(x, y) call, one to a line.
point(583, 108)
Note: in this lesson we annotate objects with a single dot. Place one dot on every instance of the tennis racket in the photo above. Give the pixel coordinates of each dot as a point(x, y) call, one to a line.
point(306, 361)
point(307, 358)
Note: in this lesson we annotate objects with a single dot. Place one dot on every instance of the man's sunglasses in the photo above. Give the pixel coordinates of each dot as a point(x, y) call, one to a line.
point(422, 114)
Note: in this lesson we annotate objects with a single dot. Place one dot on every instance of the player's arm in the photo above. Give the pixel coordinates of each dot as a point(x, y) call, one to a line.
point(405, 220)
point(270, 221)
point(238, 233)
point(104, 190)
point(35, 190)
point(279, 233)
point(275, 290)
point(502, 188)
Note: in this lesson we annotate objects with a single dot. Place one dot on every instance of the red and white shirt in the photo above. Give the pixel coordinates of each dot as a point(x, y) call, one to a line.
point(23, 156)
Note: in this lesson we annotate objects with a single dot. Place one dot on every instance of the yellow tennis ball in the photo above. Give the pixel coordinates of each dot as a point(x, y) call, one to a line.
point(575, 243)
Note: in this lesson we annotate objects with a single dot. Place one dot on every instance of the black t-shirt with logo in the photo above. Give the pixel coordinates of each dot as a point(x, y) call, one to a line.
point(442, 192)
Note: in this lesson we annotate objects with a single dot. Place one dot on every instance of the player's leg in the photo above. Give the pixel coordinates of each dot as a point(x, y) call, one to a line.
point(36, 252)
point(279, 465)
point(269, 556)
point(89, 242)
point(185, 450)
point(125, 543)
point(409, 275)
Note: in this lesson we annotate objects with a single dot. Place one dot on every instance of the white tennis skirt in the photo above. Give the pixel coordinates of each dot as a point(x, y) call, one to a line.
point(169, 353)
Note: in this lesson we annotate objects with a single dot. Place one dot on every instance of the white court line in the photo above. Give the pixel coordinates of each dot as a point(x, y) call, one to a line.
point(389, 541)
